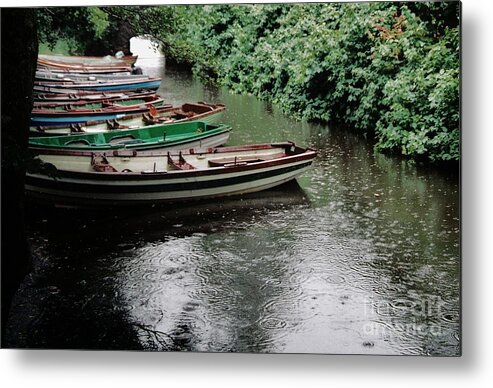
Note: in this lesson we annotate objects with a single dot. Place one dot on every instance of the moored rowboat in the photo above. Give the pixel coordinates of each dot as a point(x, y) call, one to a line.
point(64, 117)
point(82, 69)
point(53, 99)
point(126, 84)
point(41, 90)
point(188, 112)
point(47, 107)
point(105, 64)
point(48, 76)
point(119, 178)
point(89, 60)
point(162, 137)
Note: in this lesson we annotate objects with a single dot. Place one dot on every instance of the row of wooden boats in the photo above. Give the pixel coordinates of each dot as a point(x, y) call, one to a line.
point(63, 97)
point(127, 146)
point(68, 75)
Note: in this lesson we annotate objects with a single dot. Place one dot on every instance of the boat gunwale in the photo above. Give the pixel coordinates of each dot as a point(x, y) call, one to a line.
point(304, 154)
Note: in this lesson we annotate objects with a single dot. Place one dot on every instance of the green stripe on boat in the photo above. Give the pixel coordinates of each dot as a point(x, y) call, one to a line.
point(150, 137)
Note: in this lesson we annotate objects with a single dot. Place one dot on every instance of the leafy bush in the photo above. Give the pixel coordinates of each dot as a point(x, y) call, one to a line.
point(389, 70)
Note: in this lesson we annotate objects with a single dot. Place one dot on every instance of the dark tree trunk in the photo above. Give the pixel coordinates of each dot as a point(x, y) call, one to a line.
point(117, 40)
point(121, 40)
point(97, 48)
point(19, 53)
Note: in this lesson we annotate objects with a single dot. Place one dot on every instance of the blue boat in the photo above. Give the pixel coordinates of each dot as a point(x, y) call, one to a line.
point(150, 84)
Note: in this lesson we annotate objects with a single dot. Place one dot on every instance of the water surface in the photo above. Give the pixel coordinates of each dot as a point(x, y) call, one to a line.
point(361, 255)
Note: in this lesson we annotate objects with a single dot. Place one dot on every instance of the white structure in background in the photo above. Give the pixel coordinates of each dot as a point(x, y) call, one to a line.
point(145, 48)
point(151, 59)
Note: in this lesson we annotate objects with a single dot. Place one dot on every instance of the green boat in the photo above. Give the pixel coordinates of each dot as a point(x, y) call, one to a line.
point(155, 137)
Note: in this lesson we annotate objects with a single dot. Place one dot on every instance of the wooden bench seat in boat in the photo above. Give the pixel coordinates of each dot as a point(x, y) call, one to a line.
point(114, 124)
point(239, 160)
point(179, 163)
point(100, 163)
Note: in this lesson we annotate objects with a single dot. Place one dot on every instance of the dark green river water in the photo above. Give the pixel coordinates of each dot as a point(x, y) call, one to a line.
point(362, 255)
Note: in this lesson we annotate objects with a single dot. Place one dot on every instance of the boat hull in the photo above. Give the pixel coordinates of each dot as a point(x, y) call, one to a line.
point(90, 194)
point(40, 119)
point(213, 116)
point(106, 64)
point(54, 99)
point(82, 60)
point(47, 76)
point(107, 189)
point(103, 86)
point(213, 138)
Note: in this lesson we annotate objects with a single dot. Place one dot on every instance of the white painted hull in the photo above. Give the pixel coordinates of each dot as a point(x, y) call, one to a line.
point(164, 187)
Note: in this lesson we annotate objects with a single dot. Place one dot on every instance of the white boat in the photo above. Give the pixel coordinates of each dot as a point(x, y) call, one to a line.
point(119, 178)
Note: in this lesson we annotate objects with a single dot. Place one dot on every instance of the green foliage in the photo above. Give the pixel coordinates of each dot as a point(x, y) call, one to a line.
point(386, 69)
point(99, 21)
point(77, 27)
point(390, 70)
point(422, 118)
point(60, 47)
point(96, 29)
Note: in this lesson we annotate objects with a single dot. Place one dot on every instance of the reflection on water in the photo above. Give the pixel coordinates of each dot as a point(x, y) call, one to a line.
point(361, 257)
